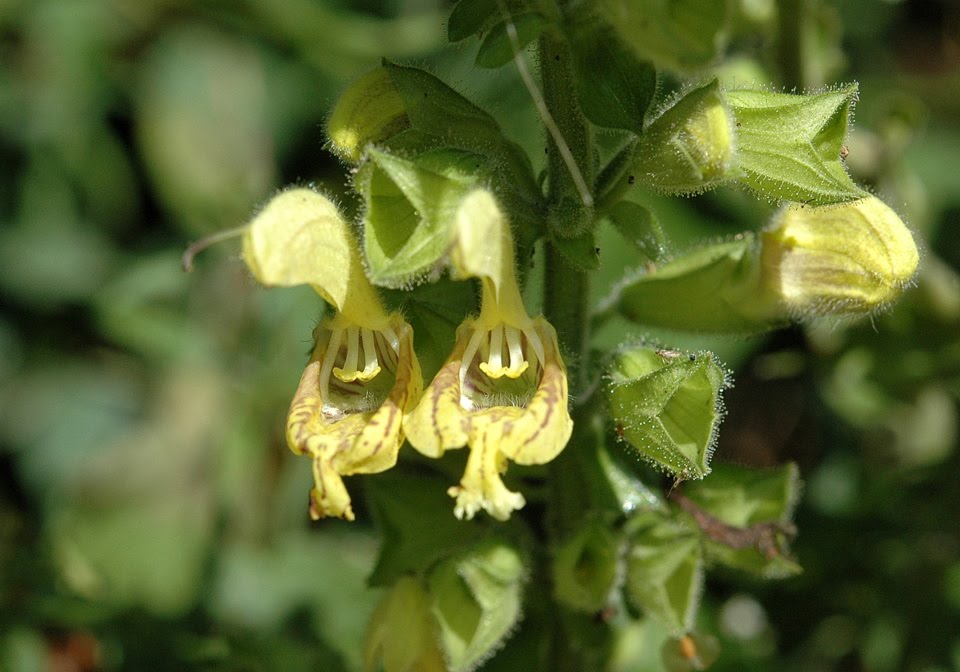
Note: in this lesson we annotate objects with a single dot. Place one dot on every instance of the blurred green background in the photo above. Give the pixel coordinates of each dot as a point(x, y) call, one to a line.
point(151, 516)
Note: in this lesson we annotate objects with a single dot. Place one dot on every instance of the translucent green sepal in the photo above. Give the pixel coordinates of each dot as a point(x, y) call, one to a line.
point(665, 566)
point(476, 601)
point(789, 145)
point(586, 567)
point(666, 406)
point(751, 513)
point(411, 207)
point(690, 147)
point(714, 288)
point(401, 635)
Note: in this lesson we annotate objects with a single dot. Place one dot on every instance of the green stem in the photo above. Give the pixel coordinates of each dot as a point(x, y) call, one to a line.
point(792, 20)
point(566, 291)
point(565, 303)
point(570, 162)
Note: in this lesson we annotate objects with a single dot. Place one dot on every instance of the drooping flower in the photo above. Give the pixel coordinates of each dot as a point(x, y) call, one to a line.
point(363, 373)
point(503, 389)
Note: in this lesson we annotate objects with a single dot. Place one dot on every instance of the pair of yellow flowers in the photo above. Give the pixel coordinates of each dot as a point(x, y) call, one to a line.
point(502, 391)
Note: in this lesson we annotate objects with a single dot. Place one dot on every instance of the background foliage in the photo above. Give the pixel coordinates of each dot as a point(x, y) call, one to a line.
point(150, 515)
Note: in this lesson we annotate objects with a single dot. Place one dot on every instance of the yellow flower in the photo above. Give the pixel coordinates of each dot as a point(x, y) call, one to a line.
point(363, 374)
point(503, 390)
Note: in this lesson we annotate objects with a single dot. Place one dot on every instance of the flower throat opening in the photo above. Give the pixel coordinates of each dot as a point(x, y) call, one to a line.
point(500, 367)
point(358, 370)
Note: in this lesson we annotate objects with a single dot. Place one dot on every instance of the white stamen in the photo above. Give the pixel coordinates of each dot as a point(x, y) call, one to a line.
point(475, 338)
point(533, 340)
point(388, 356)
point(371, 366)
point(348, 372)
point(518, 363)
point(333, 347)
point(494, 367)
point(392, 338)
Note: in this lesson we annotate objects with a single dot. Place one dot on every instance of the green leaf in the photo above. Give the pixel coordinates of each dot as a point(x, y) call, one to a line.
point(690, 147)
point(789, 145)
point(477, 601)
point(666, 405)
point(679, 34)
point(497, 50)
point(413, 514)
point(640, 228)
point(715, 288)
point(470, 17)
point(615, 89)
point(410, 208)
point(745, 498)
point(665, 570)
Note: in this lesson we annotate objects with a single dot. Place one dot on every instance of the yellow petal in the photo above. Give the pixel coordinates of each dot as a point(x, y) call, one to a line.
point(543, 429)
point(299, 238)
point(483, 248)
point(438, 422)
point(481, 486)
point(357, 443)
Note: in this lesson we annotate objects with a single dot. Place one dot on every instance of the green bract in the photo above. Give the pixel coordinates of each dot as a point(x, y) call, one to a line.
point(496, 48)
point(789, 145)
point(666, 405)
point(640, 228)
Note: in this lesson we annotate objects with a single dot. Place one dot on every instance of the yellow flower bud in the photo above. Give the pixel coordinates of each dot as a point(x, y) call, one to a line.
point(369, 111)
point(690, 147)
point(851, 258)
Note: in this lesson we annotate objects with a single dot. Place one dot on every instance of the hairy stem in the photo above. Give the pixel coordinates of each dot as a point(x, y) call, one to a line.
point(566, 288)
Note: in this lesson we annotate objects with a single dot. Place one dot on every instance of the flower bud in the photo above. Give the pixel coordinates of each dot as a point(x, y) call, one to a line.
point(666, 405)
point(370, 110)
point(690, 147)
point(851, 258)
